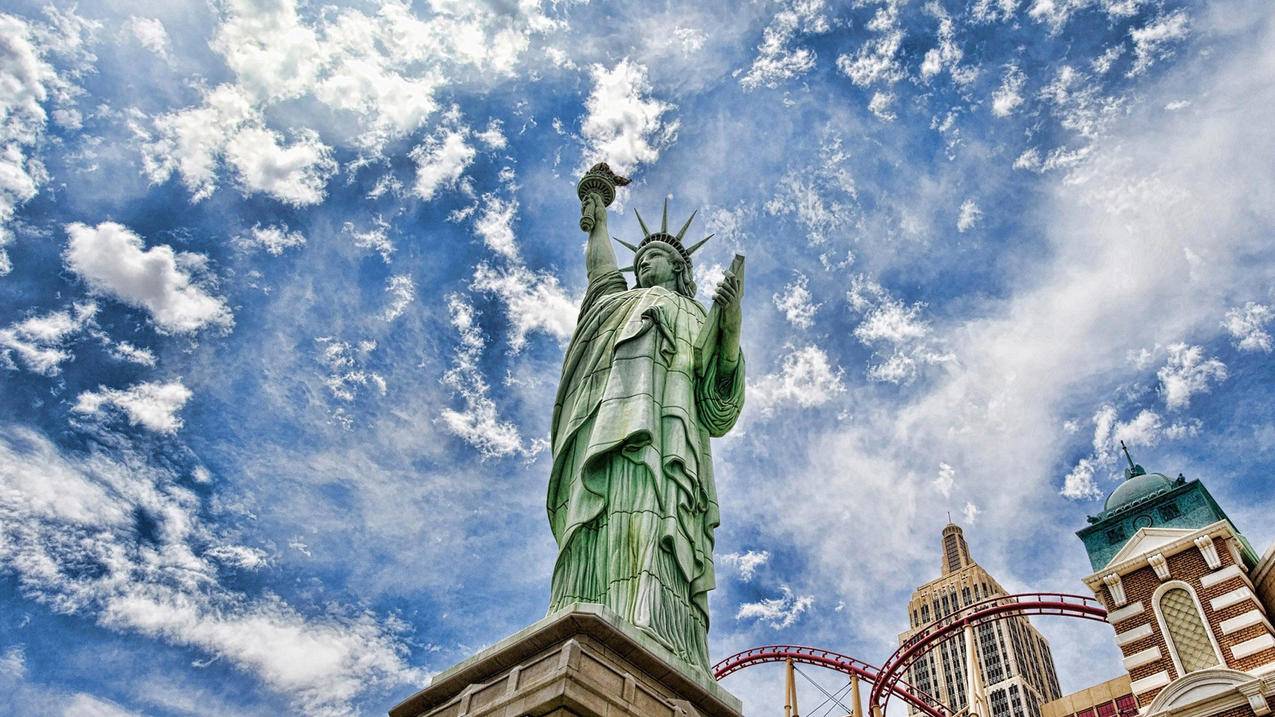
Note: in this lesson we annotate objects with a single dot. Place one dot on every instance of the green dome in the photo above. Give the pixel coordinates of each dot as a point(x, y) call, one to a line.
point(1136, 487)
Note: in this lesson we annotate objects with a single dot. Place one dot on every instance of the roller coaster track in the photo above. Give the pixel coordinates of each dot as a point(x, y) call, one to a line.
point(887, 680)
point(832, 661)
point(979, 613)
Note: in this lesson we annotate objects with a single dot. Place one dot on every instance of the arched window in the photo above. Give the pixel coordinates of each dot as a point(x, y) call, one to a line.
point(1188, 637)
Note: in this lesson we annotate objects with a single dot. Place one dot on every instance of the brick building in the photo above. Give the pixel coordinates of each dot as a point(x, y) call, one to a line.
point(1188, 598)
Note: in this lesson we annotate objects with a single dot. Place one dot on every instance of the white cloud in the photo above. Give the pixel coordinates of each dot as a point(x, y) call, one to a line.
point(346, 373)
point(1104, 62)
point(13, 662)
point(112, 260)
point(1008, 96)
point(85, 705)
point(623, 125)
point(777, 59)
point(402, 291)
point(796, 303)
point(1143, 429)
point(192, 141)
point(533, 301)
point(377, 238)
point(150, 34)
point(692, 39)
point(824, 199)
point(154, 406)
point(970, 513)
point(30, 84)
point(746, 563)
point(228, 126)
point(969, 216)
point(1079, 484)
point(68, 533)
point(495, 225)
point(945, 480)
point(877, 60)
point(984, 11)
point(40, 341)
point(381, 70)
point(124, 351)
point(806, 378)
point(479, 423)
point(440, 160)
point(1247, 326)
point(274, 239)
point(1079, 104)
point(948, 54)
point(1055, 13)
point(895, 331)
point(238, 556)
point(493, 137)
point(781, 612)
point(1187, 373)
point(1189, 428)
point(708, 276)
point(1150, 41)
point(881, 105)
point(295, 174)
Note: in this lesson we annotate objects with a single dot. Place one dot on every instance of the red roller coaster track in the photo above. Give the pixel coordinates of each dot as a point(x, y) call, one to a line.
point(992, 609)
point(831, 660)
point(887, 680)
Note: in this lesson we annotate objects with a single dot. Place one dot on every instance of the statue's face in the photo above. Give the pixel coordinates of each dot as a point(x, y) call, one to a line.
point(656, 267)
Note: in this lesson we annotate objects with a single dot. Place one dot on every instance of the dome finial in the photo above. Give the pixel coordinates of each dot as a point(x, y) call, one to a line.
point(1134, 469)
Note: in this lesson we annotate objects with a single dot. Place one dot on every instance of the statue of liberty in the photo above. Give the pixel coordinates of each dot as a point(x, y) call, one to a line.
point(649, 377)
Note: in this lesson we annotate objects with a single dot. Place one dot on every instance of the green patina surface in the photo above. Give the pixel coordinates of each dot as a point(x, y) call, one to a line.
point(632, 501)
point(1146, 500)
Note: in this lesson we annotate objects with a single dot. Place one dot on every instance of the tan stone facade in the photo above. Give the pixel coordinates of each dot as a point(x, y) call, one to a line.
point(1016, 664)
point(583, 661)
point(1113, 698)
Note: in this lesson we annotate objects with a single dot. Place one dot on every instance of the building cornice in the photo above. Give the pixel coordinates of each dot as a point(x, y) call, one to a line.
point(1221, 529)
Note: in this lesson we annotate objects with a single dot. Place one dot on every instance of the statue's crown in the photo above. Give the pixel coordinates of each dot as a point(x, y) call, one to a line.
point(664, 237)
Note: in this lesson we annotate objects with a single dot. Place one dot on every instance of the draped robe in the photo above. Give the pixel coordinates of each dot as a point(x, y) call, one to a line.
point(631, 500)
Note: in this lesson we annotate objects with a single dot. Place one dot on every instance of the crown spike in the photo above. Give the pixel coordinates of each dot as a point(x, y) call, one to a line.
point(682, 232)
point(664, 221)
point(645, 232)
point(625, 244)
point(694, 248)
point(628, 269)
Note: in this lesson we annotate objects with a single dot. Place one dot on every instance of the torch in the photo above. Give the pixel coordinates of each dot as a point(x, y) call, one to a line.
point(599, 180)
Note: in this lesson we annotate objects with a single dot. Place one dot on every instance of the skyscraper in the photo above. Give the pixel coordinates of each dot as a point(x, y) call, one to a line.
point(1016, 666)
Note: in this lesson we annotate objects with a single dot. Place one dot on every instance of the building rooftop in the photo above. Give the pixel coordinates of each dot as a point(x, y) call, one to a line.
point(1137, 486)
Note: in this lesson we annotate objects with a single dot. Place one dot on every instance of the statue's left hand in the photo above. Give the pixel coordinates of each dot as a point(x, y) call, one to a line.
point(729, 296)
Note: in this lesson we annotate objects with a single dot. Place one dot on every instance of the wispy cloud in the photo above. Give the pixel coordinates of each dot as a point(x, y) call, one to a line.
point(153, 406)
point(779, 613)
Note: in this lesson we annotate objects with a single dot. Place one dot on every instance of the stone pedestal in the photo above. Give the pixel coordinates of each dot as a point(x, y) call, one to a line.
point(582, 661)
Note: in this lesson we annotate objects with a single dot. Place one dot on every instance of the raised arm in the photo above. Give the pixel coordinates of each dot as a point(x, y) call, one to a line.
point(599, 256)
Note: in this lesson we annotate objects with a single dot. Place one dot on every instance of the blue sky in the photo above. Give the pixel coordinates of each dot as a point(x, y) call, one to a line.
point(286, 288)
